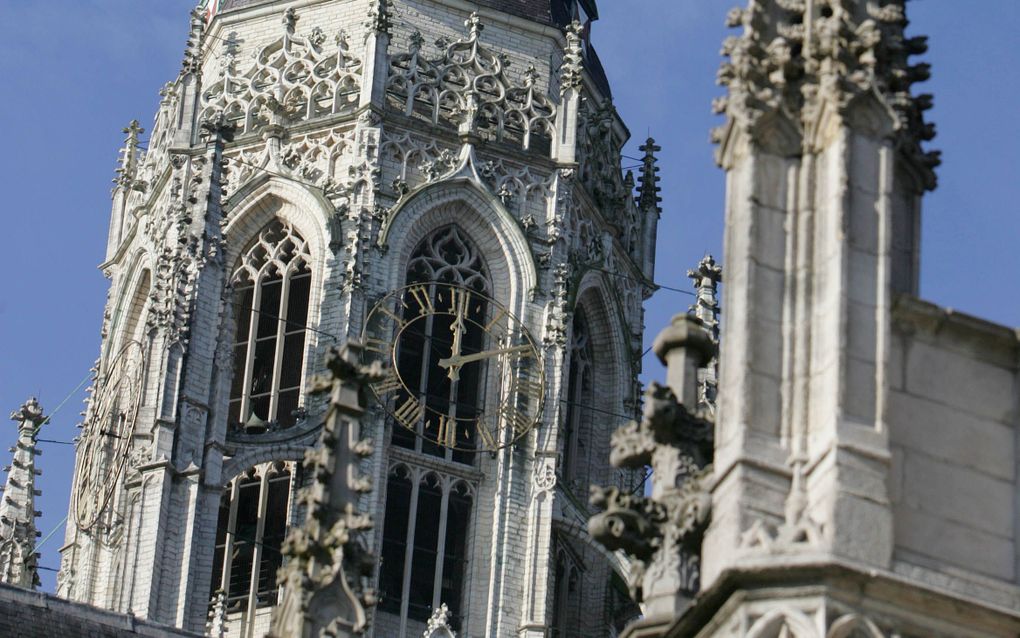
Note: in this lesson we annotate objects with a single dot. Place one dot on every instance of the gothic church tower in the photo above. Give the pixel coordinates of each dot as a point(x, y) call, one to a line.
point(312, 160)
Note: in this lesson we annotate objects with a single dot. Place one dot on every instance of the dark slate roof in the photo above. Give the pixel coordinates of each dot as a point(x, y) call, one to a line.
point(545, 11)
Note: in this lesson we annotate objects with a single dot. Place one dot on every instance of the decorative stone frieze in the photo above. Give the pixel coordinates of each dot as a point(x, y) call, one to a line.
point(294, 78)
point(467, 86)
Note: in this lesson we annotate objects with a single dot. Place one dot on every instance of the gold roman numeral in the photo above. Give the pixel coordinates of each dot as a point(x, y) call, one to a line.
point(377, 345)
point(488, 441)
point(392, 315)
point(495, 320)
point(529, 387)
point(516, 419)
point(459, 301)
point(387, 384)
point(422, 298)
point(447, 431)
point(410, 413)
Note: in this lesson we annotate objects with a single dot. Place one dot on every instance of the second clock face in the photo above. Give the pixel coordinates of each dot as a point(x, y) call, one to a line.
point(463, 372)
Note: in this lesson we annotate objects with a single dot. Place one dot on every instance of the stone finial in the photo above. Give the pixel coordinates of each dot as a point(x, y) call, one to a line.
point(662, 531)
point(439, 624)
point(324, 579)
point(18, 560)
point(290, 20)
point(217, 626)
point(127, 166)
point(475, 26)
point(789, 71)
point(648, 189)
point(572, 70)
point(379, 18)
point(193, 49)
point(706, 278)
point(684, 347)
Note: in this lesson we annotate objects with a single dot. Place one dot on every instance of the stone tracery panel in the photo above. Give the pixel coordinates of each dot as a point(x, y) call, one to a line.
point(291, 79)
point(467, 86)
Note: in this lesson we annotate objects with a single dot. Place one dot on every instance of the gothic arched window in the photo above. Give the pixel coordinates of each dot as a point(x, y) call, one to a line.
point(249, 535)
point(425, 530)
point(445, 257)
point(272, 283)
point(568, 574)
point(580, 396)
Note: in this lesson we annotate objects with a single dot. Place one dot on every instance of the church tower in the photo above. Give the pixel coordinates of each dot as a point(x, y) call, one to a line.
point(439, 179)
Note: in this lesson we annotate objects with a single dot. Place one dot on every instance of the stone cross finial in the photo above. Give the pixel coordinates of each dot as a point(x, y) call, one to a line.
point(707, 277)
point(217, 626)
point(193, 49)
point(474, 25)
point(17, 509)
point(379, 18)
point(324, 578)
point(290, 19)
point(648, 189)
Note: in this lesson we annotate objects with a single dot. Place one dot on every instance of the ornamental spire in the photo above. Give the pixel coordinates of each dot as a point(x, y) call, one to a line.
point(17, 509)
point(799, 63)
point(127, 165)
point(649, 190)
point(572, 70)
point(193, 49)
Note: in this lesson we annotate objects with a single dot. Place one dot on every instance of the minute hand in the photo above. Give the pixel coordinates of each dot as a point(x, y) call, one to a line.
point(459, 360)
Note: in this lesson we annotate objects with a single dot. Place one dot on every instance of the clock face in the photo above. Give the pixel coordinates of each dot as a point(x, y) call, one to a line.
point(107, 433)
point(462, 371)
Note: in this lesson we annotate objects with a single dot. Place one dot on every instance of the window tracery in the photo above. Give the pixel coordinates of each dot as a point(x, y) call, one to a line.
point(580, 396)
point(568, 574)
point(428, 510)
point(253, 520)
point(467, 86)
point(294, 77)
point(425, 543)
point(272, 285)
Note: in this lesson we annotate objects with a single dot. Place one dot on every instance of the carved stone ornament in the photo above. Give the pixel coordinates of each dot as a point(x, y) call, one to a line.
point(438, 626)
point(467, 86)
point(661, 532)
point(783, 85)
point(18, 560)
point(325, 579)
point(293, 78)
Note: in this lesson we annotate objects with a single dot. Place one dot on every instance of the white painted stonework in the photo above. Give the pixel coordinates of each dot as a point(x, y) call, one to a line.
point(348, 124)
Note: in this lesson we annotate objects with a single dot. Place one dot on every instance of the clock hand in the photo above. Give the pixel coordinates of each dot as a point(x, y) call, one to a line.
point(458, 361)
point(455, 349)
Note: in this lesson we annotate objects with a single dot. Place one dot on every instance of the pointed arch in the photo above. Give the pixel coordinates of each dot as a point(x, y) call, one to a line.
point(132, 300)
point(481, 217)
point(587, 416)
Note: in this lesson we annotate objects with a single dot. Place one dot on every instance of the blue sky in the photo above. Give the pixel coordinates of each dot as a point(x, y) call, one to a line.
point(75, 72)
